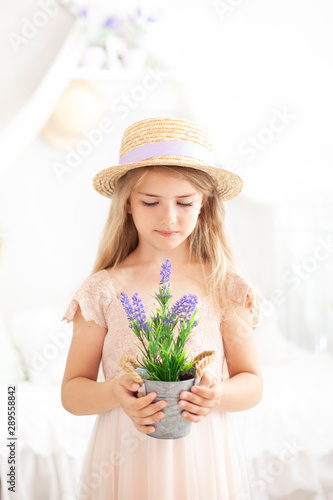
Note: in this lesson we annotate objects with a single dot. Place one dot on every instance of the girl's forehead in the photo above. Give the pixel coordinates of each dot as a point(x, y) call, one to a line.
point(165, 181)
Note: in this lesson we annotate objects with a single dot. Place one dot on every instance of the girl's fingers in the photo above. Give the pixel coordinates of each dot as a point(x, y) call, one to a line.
point(197, 399)
point(205, 392)
point(147, 401)
point(194, 408)
point(134, 404)
point(127, 384)
point(142, 411)
point(192, 418)
point(148, 420)
point(146, 429)
point(198, 402)
point(139, 403)
point(207, 380)
point(149, 410)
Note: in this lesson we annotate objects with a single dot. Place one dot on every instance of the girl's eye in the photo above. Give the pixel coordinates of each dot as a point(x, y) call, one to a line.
point(149, 204)
point(155, 203)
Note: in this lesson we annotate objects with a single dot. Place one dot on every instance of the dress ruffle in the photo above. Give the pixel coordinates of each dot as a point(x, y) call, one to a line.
point(94, 298)
point(242, 295)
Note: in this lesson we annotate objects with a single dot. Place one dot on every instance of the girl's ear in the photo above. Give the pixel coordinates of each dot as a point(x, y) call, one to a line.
point(128, 207)
point(204, 199)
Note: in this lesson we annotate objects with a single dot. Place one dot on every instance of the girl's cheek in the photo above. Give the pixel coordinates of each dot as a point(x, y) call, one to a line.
point(193, 211)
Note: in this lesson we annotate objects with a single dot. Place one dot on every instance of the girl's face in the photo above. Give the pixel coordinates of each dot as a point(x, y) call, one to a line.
point(165, 210)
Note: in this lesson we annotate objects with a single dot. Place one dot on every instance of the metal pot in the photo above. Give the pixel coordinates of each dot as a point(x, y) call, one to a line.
point(173, 425)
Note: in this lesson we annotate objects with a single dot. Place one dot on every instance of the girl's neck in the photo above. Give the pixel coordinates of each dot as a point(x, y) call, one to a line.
point(154, 258)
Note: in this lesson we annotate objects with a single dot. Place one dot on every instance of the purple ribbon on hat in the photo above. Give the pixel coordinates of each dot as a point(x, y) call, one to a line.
point(168, 148)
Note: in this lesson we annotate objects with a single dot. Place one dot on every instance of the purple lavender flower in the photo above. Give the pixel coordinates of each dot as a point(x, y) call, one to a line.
point(164, 289)
point(136, 312)
point(136, 15)
point(169, 321)
point(112, 22)
point(84, 12)
point(166, 272)
point(162, 347)
point(125, 301)
point(139, 314)
point(184, 307)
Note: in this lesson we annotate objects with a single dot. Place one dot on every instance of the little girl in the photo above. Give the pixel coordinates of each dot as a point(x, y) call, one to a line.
point(167, 203)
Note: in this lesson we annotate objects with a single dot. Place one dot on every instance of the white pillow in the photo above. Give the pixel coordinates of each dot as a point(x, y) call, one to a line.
point(11, 368)
point(43, 341)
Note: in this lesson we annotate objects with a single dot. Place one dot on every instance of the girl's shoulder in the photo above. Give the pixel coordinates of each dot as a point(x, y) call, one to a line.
point(94, 283)
point(93, 296)
point(242, 292)
point(237, 285)
point(120, 274)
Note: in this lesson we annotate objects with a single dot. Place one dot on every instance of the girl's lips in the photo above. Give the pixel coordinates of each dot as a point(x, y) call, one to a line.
point(167, 233)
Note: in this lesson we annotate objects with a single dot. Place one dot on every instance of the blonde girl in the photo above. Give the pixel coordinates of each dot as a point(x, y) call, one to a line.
point(167, 202)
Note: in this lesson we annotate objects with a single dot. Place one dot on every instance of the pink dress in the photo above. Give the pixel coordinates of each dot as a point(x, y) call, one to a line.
point(124, 464)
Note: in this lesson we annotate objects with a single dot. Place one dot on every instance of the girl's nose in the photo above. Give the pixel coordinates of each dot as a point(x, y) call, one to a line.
point(168, 214)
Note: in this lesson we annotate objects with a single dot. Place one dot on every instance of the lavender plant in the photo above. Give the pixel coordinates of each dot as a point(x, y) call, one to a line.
point(163, 337)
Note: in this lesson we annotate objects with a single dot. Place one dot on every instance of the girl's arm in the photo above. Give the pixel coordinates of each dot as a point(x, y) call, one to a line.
point(81, 394)
point(244, 388)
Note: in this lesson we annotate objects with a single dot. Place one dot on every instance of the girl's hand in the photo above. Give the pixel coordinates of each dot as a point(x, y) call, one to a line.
point(202, 399)
point(141, 410)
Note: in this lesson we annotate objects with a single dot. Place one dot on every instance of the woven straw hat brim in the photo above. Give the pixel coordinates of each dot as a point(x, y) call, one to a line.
point(170, 142)
point(227, 183)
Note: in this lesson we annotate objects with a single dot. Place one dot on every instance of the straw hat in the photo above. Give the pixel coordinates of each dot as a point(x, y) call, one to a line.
point(167, 141)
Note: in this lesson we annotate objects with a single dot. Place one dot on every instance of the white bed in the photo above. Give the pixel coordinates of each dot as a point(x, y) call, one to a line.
point(287, 438)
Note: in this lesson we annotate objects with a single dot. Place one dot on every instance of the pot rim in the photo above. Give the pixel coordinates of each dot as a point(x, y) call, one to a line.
point(168, 381)
point(142, 371)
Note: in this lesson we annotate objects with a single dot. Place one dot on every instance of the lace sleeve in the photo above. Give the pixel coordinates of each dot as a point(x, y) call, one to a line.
point(93, 297)
point(242, 295)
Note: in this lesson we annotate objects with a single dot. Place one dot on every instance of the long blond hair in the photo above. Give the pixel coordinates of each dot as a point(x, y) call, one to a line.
point(208, 243)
